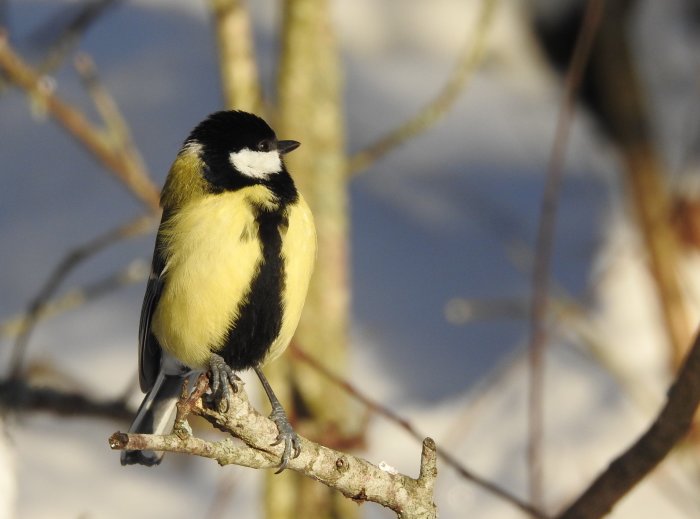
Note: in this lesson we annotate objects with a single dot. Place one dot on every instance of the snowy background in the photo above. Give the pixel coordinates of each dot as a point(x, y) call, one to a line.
point(431, 222)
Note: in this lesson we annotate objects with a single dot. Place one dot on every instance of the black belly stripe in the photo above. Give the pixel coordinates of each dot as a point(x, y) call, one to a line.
point(249, 338)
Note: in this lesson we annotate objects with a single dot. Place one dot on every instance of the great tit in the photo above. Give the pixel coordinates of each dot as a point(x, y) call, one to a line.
point(233, 257)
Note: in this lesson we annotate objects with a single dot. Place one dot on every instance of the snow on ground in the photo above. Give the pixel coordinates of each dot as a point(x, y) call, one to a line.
point(431, 222)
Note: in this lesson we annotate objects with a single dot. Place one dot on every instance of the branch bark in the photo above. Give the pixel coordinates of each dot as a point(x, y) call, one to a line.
point(354, 477)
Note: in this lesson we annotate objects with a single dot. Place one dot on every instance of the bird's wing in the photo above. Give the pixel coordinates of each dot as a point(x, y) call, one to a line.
point(149, 348)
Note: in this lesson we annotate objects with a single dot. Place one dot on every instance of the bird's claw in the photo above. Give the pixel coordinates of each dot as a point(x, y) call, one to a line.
point(286, 435)
point(223, 381)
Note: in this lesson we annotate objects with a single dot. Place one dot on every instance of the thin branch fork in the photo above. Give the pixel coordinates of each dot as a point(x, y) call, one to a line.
point(355, 477)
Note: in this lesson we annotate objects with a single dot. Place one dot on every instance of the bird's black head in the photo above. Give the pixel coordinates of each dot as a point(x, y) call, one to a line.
point(238, 149)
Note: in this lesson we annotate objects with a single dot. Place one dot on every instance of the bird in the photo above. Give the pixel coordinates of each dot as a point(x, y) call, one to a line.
point(233, 257)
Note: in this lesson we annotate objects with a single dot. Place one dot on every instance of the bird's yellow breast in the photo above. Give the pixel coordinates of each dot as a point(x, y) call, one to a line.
point(213, 253)
point(299, 255)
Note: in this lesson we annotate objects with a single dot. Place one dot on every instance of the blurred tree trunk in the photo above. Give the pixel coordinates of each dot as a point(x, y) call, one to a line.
point(239, 73)
point(310, 110)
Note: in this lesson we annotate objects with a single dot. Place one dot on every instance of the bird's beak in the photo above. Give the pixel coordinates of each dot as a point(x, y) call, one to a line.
point(287, 146)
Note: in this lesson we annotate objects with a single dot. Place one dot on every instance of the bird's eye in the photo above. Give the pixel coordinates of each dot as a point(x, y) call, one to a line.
point(264, 145)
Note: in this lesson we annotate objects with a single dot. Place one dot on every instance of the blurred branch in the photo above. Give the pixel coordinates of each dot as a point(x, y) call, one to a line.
point(239, 73)
point(569, 313)
point(20, 395)
point(74, 257)
point(670, 426)
point(461, 310)
point(624, 109)
point(544, 246)
point(117, 131)
point(116, 159)
point(390, 415)
point(354, 477)
point(438, 107)
point(137, 270)
point(62, 32)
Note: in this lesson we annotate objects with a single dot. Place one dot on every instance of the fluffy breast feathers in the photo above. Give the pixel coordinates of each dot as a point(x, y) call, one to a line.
point(212, 255)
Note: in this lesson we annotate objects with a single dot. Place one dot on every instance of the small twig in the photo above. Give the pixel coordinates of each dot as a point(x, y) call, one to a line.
point(669, 427)
point(412, 431)
point(134, 227)
point(136, 179)
point(438, 107)
point(355, 477)
point(544, 246)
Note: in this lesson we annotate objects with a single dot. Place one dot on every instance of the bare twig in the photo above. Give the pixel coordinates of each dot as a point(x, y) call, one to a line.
point(411, 430)
point(355, 477)
point(134, 177)
point(670, 426)
point(438, 107)
point(543, 249)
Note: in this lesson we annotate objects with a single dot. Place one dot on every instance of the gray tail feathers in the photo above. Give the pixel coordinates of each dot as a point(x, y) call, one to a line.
point(156, 415)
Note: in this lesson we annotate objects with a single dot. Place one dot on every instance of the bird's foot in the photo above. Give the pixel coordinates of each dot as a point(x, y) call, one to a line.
point(223, 380)
point(292, 445)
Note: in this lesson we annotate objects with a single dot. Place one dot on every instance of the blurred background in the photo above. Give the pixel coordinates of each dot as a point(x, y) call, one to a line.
point(421, 299)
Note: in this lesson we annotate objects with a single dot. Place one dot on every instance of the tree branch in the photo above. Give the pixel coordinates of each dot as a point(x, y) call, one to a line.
point(355, 477)
point(20, 395)
point(544, 247)
point(407, 426)
point(670, 426)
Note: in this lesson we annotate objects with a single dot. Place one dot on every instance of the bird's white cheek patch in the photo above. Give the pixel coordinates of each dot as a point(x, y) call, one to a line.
point(256, 164)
